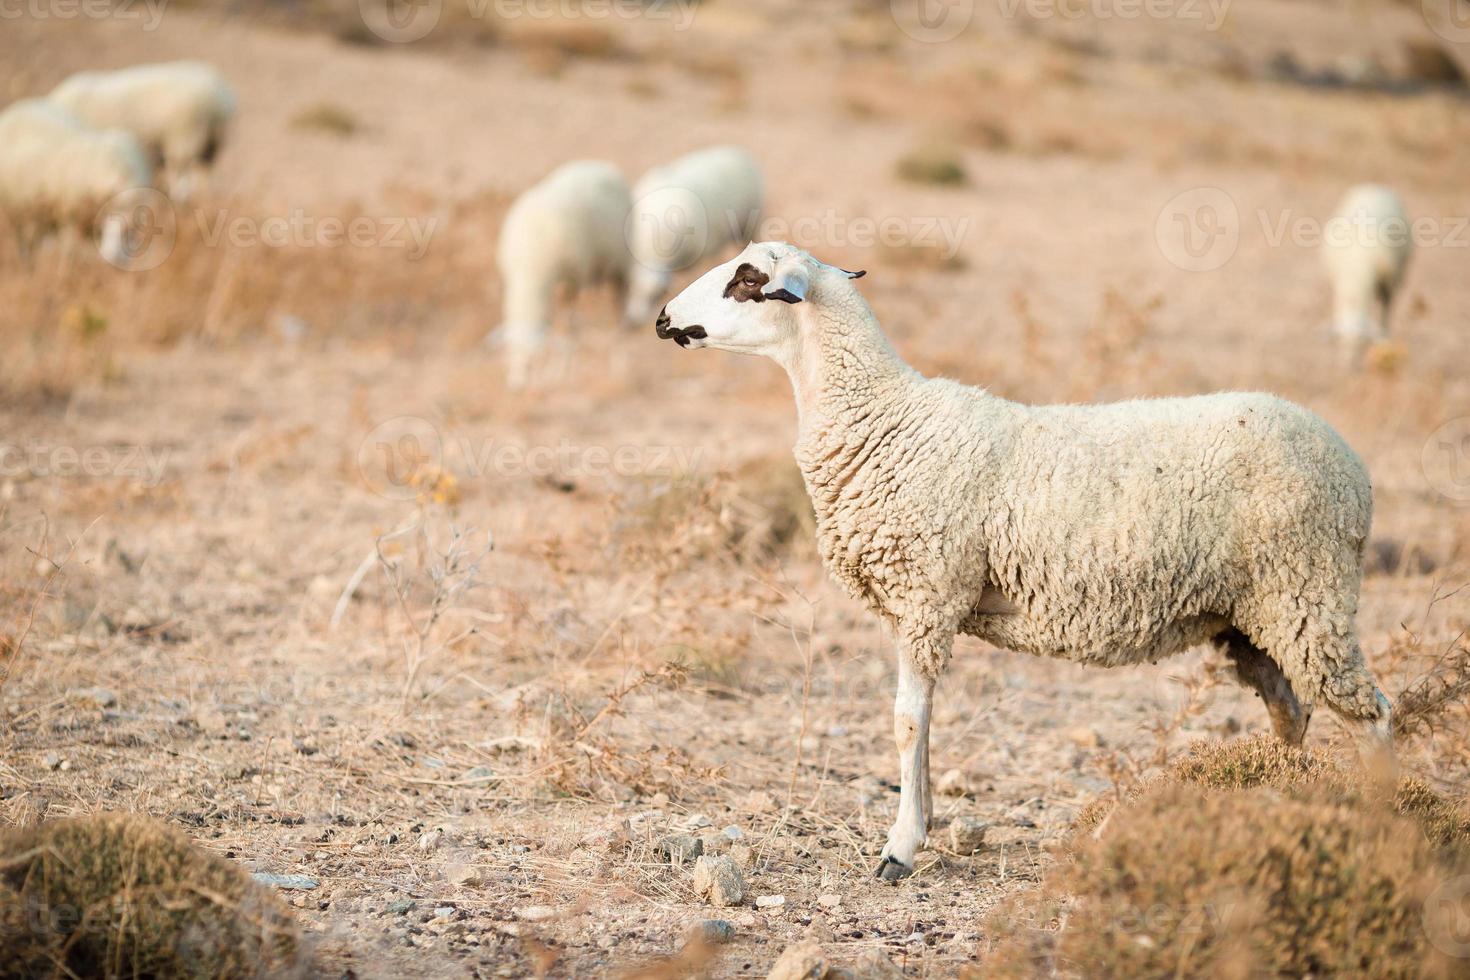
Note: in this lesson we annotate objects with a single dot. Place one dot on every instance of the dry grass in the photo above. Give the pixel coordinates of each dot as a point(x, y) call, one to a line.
point(117, 895)
point(1186, 880)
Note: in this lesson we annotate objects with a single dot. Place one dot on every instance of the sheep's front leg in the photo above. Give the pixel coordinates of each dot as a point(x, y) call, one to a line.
point(911, 709)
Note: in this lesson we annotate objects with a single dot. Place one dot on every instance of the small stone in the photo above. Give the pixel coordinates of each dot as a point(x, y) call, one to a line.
point(712, 932)
point(805, 960)
point(967, 835)
point(758, 802)
point(733, 834)
point(746, 919)
point(286, 882)
point(401, 906)
point(680, 849)
point(430, 841)
point(444, 911)
point(53, 761)
point(829, 900)
point(953, 783)
point(478, 776)
point(770, 901)
point(741, 854)
point(1084, 737)
point(464, 875)
point(698, 822)
point(719, 881)
point(819, 931)
point(536, 913)
point(874, 965)
point(100, 696)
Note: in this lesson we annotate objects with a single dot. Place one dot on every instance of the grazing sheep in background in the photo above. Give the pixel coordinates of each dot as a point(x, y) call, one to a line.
point(57, 174)
point(179, 111)
point(1365, 246)
point(1103, 534)
point(687, 211)
point(564, 233)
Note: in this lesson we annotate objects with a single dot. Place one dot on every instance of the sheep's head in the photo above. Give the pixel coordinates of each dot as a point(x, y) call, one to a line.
point(748, 305)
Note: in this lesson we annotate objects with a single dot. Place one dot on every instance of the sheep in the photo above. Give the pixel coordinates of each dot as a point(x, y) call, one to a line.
point(57, 174)
point(1365, 247)
point(178, 110)
point(1103, 534)
point(686, 211)
point(564, 233)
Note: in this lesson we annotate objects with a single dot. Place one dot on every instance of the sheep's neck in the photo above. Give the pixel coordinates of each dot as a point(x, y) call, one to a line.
point(846, 378)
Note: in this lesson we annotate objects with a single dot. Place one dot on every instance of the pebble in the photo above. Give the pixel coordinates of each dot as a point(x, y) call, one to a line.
point(101, 696)
point(536, 913)
point(479, 774)
point(681, 848)
point(719, 881)
point(953, 783)
point(733, 834)
point(829, 900)
point(698, 822)
point(401, 906)
point(805, 960)
point(430, 841)
point(444, 911)
point(770, 901)
point(967, 835)
point(873, 965)
point(712, 932)
point(286, 882)
point(54, 761)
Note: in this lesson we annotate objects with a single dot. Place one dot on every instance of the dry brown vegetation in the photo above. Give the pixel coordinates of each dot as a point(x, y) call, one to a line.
point(471, 680)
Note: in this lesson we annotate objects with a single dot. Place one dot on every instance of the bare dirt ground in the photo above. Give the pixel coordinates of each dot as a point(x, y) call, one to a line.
point(284, 564)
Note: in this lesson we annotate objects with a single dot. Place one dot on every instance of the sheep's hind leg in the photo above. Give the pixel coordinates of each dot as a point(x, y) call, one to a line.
point(1255, 669)
point(911, 712)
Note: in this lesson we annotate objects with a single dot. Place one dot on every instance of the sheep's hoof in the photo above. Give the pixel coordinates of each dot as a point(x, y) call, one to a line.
point(890, 869)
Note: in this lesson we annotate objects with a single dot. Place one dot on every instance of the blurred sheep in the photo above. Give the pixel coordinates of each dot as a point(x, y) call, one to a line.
point(56, 173)
point(1365, 247)
point(178, 110)
point(563, 234)
point(687, 211)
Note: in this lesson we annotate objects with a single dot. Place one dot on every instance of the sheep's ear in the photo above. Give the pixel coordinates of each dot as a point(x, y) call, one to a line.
point(788, 283)
point(854, 275)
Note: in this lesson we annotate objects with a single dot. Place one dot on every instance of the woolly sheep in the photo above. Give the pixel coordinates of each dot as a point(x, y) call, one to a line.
point(1103, 534)
point(1365, 246)
point(687, 211)
point(56, 173)
point(565, 233)
point(178, 110)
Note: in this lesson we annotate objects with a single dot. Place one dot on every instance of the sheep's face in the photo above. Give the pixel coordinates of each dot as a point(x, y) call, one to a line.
point(748, 305)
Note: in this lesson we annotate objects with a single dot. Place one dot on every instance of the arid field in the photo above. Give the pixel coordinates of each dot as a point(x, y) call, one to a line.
point(285, 564)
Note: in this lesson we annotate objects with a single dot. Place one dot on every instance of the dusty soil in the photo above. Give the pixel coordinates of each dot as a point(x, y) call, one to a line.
point(468, 684)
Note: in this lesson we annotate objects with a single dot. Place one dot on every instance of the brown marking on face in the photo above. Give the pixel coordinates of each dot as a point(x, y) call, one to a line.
point(747, 285)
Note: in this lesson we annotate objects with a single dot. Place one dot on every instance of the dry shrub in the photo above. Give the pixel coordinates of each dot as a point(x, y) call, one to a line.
point(1192, 881)
point(758, 513)
point(1264, 762)
point(1430, 63)
point(937, 165)
point(328, 118)
point(122, 895)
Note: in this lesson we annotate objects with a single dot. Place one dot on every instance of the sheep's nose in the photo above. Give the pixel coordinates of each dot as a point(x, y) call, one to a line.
point(661, 325)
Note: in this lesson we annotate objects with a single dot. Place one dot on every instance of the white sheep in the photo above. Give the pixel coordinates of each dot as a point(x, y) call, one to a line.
point(178, 110)
point(1103, 534)
point(1366, 247)
point(57, 174)
point(564, 234)
point(685, 212)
